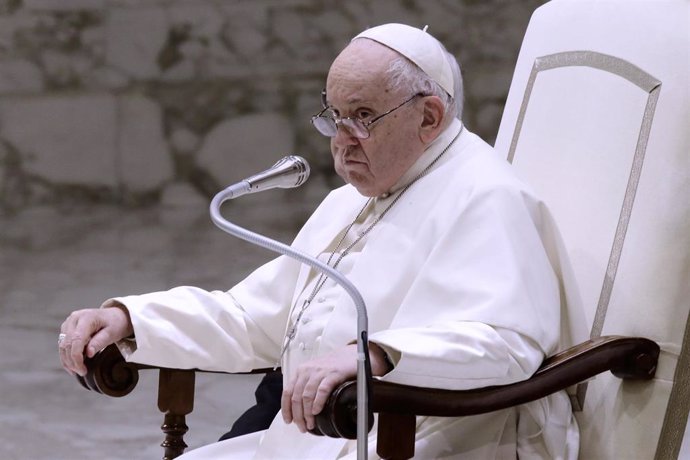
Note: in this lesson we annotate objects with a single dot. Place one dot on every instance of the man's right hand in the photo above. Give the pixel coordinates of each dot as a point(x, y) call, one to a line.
point(89, 331)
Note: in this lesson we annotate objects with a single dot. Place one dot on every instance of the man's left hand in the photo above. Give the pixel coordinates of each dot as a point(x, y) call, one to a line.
point(308, 391)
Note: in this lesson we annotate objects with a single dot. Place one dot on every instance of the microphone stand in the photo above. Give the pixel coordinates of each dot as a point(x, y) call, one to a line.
point(363, 363)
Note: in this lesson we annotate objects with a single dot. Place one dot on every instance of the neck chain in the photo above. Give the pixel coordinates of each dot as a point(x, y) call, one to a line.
point(292, 331)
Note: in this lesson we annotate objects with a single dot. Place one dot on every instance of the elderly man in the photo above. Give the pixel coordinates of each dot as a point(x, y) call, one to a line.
point(447, 247)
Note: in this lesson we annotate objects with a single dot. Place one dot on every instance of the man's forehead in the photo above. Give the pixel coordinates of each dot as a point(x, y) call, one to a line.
point(339, 95)
point(356, 91)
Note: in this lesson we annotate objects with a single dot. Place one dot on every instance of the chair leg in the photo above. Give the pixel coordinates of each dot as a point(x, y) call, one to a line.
point(174, 427)
point(176, 400)
point(395, 439)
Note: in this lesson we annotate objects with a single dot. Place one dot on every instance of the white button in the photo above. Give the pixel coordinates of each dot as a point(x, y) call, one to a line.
point(322, 299)
point(301, 346)
point(306, 320)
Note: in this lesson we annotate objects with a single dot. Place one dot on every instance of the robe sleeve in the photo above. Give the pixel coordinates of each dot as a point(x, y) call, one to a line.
point(234, 331)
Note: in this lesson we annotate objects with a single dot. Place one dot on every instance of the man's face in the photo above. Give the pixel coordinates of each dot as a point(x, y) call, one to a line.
point(357, 86)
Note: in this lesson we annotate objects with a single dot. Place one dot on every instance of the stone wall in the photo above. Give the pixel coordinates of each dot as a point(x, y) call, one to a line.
point(140, 102)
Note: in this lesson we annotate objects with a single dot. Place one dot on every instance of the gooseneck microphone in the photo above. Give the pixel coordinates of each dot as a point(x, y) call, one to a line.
point(293, 171)
point(290, 171)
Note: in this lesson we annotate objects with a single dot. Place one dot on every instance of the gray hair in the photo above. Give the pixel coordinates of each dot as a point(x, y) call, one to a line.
point(403, 73)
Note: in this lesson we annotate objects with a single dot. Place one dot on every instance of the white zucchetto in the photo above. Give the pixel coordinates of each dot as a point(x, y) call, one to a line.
point(418, 46)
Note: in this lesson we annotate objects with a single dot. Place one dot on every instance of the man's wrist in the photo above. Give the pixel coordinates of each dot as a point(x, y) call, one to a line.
point(388, 360)
point(112, 303)
point(385, 362)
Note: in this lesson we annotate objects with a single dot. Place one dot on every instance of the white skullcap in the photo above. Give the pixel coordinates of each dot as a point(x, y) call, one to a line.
point(419, 47)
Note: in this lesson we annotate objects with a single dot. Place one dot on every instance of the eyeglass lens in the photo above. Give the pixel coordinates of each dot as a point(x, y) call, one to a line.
point(328, 126)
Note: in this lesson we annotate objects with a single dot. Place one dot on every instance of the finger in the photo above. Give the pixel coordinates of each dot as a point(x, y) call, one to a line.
point(99, 341)
point(323, 392)
point(68, 360)
point(65, 345)
point(307, 401)
point(297, 412)
point(61, 347)
point(308, 396)
point(286, 404)
point(64, 360)
point(86, 325)
point(79, 328)
point(296, 404)
point(75, 351)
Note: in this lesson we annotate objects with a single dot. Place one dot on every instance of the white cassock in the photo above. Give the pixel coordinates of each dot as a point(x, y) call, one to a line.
point(460, 280)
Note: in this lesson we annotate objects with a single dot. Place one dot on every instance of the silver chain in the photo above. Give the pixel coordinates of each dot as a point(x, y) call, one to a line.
point(292, 332)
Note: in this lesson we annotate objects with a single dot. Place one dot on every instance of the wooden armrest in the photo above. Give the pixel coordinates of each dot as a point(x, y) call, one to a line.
point(397, 405)
point(625, 357)
point(108, 373)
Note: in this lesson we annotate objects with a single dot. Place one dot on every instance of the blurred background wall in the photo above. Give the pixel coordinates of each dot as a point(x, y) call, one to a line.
point(163, 102)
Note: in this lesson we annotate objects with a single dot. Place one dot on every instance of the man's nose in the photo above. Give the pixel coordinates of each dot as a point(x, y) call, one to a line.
point(344, 137)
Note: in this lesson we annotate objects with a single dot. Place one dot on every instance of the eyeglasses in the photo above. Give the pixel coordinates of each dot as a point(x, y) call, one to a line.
point(328, 124)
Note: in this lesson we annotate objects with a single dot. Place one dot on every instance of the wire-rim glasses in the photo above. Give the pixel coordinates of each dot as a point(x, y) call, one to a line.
point(328, 124)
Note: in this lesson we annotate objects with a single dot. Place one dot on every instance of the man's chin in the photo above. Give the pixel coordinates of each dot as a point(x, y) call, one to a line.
point(364, 189)
point(363, 184)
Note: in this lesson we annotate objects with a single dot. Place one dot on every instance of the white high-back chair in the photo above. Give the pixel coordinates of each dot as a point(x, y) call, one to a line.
point(598, 122)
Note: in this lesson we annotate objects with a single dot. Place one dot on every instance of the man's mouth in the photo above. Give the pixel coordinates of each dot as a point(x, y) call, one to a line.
point(349, 159)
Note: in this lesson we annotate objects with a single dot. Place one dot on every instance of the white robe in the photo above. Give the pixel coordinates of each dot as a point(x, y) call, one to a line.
point(462, 289)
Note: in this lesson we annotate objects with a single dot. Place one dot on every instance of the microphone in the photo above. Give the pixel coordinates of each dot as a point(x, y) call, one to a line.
point(289, 172)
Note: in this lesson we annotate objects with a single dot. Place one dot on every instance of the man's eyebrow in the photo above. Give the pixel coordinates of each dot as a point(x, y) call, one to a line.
point(354, 100)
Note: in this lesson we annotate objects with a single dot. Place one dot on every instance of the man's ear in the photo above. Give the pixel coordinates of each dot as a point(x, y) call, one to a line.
point(432, 121)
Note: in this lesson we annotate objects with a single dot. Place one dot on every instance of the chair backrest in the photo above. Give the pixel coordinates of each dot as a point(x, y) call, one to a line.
point(598, 122)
